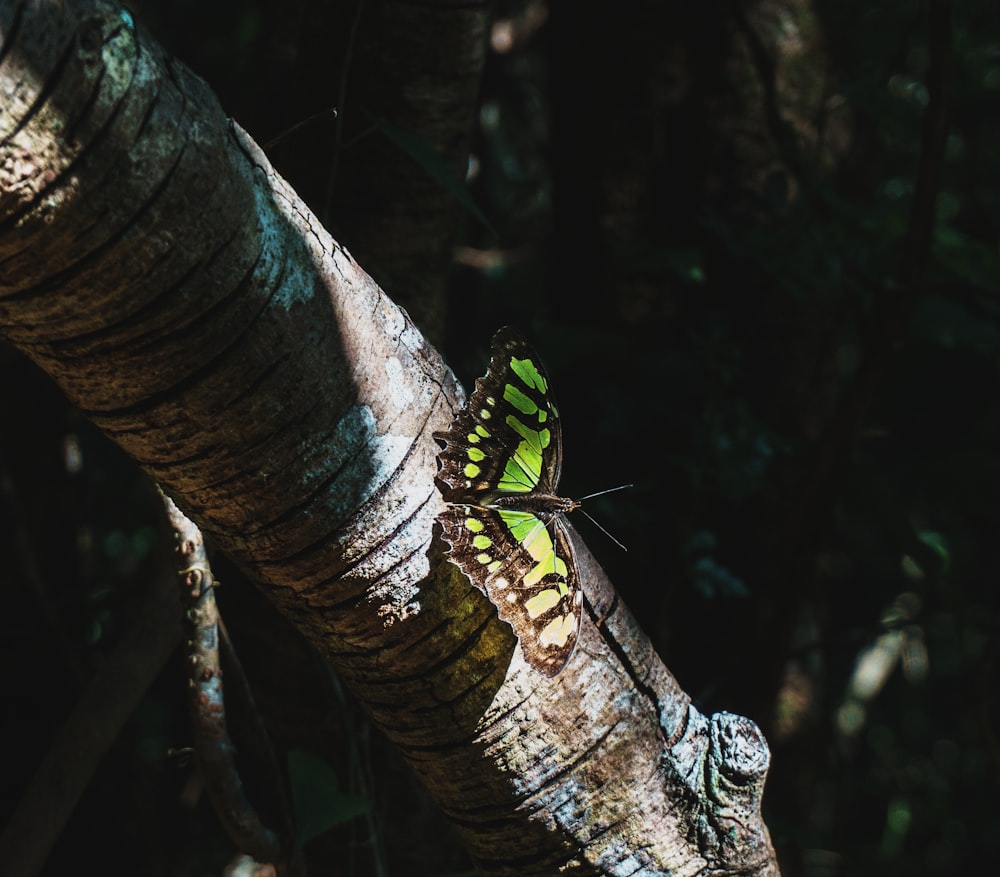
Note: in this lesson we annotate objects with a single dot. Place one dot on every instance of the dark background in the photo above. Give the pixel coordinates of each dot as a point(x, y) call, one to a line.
point(707, 216)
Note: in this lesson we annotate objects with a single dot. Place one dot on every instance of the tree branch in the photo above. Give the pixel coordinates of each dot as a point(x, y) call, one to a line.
point(177, 289)
point(213, 745)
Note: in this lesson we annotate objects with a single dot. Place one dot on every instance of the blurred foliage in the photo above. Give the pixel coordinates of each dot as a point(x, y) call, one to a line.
point(319, 801)
point(699, 213)
point(702, 220)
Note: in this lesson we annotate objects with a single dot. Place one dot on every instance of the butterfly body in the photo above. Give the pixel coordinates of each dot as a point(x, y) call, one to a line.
point(505, 522)
point(545, 505)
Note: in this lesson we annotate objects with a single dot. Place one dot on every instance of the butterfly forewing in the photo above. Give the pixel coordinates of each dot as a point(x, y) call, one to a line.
point(500, 468)
point(507, 438)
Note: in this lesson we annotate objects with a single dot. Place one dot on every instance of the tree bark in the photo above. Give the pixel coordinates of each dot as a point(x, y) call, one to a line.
point(153, 263)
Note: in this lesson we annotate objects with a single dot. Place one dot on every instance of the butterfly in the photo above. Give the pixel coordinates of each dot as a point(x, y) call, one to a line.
point(505, 524)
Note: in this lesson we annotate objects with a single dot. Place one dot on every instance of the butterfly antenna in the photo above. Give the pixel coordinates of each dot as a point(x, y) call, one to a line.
point(599, 527)
point(591, 519)
point(602, 492)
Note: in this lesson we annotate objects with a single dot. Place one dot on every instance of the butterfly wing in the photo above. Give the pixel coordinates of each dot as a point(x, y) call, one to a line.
point(508, 438)
point(528, 570)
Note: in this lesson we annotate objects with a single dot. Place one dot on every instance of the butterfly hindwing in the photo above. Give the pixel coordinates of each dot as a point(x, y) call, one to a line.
point(500, 468)
point(528, 575)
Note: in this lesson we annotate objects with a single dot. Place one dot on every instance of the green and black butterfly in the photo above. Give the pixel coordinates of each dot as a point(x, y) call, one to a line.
point(505, 524)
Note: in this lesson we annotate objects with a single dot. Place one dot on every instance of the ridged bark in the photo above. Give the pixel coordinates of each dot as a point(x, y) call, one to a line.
point(174, 286)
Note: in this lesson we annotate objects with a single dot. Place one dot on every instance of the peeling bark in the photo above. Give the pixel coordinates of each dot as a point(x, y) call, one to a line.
point(180, 293)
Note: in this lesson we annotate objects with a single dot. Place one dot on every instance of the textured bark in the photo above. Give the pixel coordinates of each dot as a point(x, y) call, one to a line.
point(154, 264)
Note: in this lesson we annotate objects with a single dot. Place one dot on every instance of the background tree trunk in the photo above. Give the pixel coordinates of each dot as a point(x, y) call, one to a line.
point(188, 302)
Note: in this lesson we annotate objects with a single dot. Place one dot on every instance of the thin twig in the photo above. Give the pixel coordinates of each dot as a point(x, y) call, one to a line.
point(215, 751)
